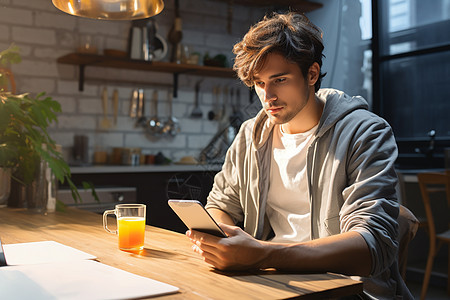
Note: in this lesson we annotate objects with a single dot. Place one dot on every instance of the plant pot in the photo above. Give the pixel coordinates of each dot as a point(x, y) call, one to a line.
point(5, 186)
point(33, 195)
point(36, 195)
point(17, 198)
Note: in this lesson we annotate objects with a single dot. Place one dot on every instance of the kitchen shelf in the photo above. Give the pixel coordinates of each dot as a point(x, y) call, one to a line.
point(83, 60)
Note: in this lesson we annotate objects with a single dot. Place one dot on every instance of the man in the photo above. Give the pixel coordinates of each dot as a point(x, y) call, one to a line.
point(311, 178)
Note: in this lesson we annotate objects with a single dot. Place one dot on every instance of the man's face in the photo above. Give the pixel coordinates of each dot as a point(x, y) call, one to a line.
point(282, 89)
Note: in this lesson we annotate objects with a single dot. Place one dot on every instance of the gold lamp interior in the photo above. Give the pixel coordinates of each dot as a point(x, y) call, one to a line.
point(111, 9)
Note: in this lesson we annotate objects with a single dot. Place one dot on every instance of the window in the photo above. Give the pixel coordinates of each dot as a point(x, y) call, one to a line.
point(413, 60)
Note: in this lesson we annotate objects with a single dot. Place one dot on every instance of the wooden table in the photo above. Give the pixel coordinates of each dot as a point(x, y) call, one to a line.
point(167, 257)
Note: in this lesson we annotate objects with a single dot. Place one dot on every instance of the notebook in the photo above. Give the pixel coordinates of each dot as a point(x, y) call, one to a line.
point(58, 271)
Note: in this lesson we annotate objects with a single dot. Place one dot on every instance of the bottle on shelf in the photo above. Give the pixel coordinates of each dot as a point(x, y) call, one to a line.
point(175, 36)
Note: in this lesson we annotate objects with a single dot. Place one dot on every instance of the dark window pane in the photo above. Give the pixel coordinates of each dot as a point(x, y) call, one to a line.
point(414, 25)
point(416, 95)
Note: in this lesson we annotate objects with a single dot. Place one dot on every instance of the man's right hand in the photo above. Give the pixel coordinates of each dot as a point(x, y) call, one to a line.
point(240, 251)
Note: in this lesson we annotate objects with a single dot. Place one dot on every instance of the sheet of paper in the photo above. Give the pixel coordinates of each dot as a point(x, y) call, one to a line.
point(85, 279)
point(41, 253)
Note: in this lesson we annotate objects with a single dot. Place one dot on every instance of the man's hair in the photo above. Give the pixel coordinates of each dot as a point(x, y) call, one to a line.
point(291, 35)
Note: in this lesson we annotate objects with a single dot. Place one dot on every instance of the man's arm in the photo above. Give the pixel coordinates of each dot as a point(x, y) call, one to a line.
point(345, 253)
point(220, 216)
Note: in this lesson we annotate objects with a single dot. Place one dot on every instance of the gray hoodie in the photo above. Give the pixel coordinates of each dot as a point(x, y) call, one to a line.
point(350, 167)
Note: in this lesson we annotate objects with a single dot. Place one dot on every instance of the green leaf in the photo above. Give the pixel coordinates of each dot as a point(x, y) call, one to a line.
point(24, 138)
point(10, 55)
point(89, 185)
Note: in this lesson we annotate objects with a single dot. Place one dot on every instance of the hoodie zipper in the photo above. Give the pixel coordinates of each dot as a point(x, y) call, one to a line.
point(310, 184)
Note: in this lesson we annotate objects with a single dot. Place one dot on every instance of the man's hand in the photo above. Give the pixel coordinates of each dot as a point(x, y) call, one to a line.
point(239, 251)
point(345, 253)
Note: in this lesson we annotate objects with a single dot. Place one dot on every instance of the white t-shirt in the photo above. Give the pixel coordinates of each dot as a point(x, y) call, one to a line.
point(288, 207)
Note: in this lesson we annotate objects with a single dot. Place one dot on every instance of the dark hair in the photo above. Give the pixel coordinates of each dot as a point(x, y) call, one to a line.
point(291, 34)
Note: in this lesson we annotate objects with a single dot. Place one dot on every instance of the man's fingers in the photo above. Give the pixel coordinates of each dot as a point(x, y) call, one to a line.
point(201, 237)
point(207, 256)
point(228, 229)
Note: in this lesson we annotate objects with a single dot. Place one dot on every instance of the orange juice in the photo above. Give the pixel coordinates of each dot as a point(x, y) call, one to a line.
point(131, 233)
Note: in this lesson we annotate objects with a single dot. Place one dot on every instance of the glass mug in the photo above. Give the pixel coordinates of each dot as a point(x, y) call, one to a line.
point(130, 225)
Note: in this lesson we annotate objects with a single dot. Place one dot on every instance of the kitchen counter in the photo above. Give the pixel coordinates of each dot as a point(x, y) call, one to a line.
point(144, 168)
point(153, 185)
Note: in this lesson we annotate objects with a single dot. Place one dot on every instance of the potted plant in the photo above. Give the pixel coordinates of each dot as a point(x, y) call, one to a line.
point(25, 145)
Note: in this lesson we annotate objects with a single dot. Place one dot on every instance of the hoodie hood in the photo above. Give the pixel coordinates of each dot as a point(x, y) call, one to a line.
point(337, 105)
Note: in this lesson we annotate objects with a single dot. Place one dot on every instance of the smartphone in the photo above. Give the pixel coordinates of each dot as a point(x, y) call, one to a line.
point(196, 217)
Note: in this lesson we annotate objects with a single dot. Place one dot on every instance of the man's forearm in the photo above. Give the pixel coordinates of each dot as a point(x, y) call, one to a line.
point(220, 216)
point(345, 253)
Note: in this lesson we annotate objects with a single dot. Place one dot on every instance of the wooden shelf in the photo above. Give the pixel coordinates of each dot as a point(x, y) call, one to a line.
point(83, 60)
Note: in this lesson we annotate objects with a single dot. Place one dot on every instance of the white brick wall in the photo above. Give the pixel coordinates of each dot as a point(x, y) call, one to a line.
point(44, 33)
point(37, 85)
point(4, 33)
point(16, 16)
point(54, 20)
point(28, 35)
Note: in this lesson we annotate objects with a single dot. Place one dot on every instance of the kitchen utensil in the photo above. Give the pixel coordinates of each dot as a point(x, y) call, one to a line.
point(216, 150)
point(154, 125)
point(115, 106)
point(213, 114)
point(225, 115)
point(105, 123)
point(176, 35)
point(160, 50)
point(131, 156)
point(232, 103)
point(116, 156)
point(87, 44)
point(172, 126)
point(80, 149)
point(134, 103)
point(236, 118)
point(231, 117)
point(135, 43)
point(144, 46)
point(100, 157)
point(141, 119)
point(197, 112)
point(151, 39)
point(139, 41)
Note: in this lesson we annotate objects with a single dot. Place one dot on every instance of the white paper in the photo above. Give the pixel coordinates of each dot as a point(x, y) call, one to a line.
point(84, 279)
point(41, 253)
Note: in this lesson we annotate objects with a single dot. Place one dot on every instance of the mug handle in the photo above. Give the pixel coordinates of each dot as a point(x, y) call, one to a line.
point(105, 220)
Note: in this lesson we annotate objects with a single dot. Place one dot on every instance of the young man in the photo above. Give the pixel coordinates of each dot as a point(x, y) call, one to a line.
point(311, 178)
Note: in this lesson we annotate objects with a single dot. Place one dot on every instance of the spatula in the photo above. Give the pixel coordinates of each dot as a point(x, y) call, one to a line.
point(197, 112)
point(115, 105)
point(105, 123)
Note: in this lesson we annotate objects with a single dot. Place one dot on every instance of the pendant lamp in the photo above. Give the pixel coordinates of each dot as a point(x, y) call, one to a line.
point(111, 9)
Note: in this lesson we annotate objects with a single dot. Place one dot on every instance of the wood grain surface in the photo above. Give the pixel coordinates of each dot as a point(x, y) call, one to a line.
point(167, 257)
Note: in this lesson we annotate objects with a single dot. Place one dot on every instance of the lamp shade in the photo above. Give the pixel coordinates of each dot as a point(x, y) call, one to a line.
point(111, 9)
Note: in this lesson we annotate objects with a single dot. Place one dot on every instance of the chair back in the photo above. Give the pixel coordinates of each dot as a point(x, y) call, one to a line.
point(431, 183)
point(407, 228)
